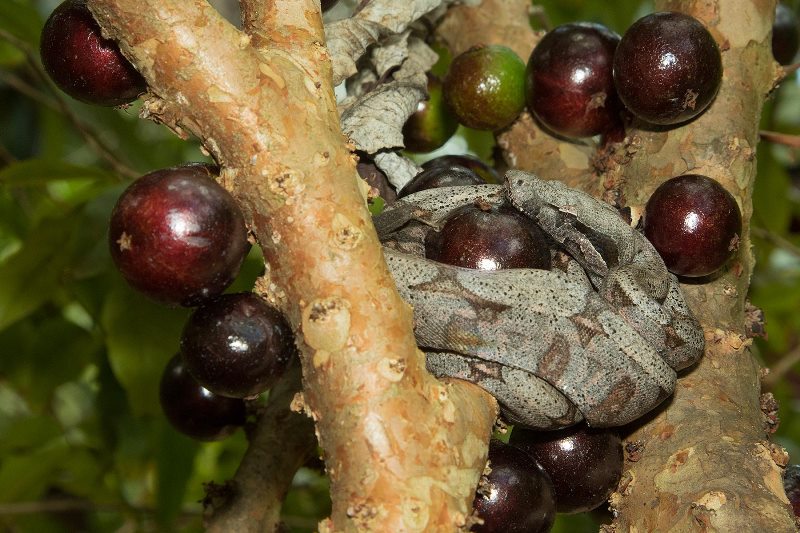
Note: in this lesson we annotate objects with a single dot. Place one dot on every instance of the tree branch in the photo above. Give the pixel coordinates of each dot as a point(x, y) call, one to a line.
point(403, 450)
point(707, 458)
point(281, 443)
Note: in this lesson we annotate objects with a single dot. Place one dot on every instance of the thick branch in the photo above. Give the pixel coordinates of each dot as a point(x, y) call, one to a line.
point(403, 450)
point(707, 459)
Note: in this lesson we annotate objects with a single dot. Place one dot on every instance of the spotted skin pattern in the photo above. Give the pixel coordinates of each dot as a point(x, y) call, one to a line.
point(598, 337)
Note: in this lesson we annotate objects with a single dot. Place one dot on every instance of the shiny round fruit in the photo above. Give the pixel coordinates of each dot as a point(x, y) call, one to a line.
point(194, 410)
point(694, 224)
point(480, 168)
point(785, 38)
point(82, 63)
point(485, 237)
point(432, 124)
point(516, 496)
point(237, 345)
point(177, 236)
point(667, 68)
point(485, 87)
point(441, 176)
point(569, 83)
point(585, 465)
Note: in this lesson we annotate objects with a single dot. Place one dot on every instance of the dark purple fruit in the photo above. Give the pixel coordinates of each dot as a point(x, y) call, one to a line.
point(785, 39)
point(485, 87)
point(480, 168)
point(484, 237)
point(327, 4)
point(237, 345)
point(82, 63)
point(791, 484)
point(667, 68)
point(516, 496)
point(694, 224)
point(194, 410)
point(569, 83)
point(432, 124)
point(177, 236)
point(584, 464)
point(441, 176)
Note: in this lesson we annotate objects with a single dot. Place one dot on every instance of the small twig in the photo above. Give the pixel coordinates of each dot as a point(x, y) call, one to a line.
point(790, 69)
point(57, 103)
point(792, 141)
point(781, 367)
point(280, 443)
point(776, 239)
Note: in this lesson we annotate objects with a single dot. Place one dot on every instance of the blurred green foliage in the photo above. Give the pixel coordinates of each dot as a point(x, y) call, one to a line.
point(83, 446)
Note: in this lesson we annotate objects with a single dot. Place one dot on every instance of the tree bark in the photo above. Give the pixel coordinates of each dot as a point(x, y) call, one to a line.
point(403, 450)
point(707, 462)
point(703, 461)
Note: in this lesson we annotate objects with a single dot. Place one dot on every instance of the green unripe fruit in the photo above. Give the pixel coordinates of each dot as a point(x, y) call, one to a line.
point(432, 124)
point(485, 87)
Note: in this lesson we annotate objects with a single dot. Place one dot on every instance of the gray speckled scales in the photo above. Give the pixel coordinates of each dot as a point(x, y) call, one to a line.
point(597, 337)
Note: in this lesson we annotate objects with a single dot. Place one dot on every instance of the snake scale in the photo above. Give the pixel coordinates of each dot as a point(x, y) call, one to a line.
point(598, 337)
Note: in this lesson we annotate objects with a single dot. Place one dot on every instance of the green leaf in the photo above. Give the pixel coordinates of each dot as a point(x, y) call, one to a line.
point(20, 19)
point(376, 205)
point(25, 476)
point(141, 336)
point(176, 455)
point(771, 205)
point(29, 278)
point(38, 171)
point(26, 433)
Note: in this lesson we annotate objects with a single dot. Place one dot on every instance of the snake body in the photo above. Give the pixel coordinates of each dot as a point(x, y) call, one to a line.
point(598, 337)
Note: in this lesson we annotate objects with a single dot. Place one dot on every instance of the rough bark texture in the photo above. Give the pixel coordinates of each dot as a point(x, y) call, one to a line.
point(707, 464)
point(404, 451)
point(703, 462)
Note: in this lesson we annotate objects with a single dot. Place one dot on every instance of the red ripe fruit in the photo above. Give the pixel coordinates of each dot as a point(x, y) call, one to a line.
point(194, 410)
point(569, 83)
point(236, 345)
point(177, 236)
point(484, 237)
point(667, 68)
point(584, 464)
point(516, 496)
point(82, 63)
point(694, 224)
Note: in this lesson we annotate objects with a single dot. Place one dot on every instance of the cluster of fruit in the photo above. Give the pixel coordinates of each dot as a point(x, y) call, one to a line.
point(577, 80)
point(581, 78)
point(540, 474)
point(180, 238)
